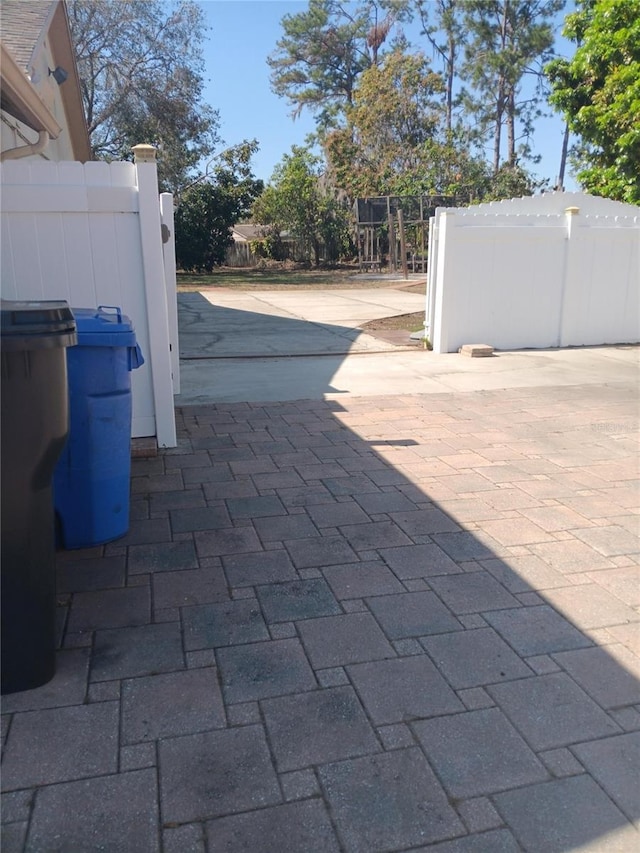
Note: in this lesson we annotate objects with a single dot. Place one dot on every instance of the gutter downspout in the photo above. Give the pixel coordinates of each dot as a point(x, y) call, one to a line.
point(21, 101)
point(27, 150)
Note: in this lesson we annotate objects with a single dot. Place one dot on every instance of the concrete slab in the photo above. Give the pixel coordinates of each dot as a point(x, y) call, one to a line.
point(278, 345)
point(397, 372)
point(225, 323)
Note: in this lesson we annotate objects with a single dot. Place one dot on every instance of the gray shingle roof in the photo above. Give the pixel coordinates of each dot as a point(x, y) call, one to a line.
point(22, 25)
point(250, 232)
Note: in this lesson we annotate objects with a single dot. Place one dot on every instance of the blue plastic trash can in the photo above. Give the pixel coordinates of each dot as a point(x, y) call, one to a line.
point(92, 479)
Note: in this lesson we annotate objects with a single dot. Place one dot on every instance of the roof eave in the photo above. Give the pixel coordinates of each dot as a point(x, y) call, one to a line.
point(21, 100)
point(64, 55)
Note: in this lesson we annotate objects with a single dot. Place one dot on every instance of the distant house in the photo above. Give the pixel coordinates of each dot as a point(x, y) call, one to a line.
point(247, 233)
point(240, 254)
point(42, 115)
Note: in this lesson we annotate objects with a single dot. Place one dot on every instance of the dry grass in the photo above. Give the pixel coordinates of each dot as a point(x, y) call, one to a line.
point(402, 323)
point(286, 279)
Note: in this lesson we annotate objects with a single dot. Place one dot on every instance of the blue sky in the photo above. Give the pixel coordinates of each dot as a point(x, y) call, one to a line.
point(243, 33)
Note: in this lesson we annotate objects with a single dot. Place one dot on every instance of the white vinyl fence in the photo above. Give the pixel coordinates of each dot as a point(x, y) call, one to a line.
point(92, 234)
point(548, 271)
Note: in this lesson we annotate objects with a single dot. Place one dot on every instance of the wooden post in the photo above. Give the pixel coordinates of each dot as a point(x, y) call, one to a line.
point(155, 293)
point(403, 245)
point(392, 244)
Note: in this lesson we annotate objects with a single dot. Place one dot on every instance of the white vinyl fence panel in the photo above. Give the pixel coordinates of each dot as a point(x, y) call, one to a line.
point(90, 234)
point(602, 285)
point(535, 273)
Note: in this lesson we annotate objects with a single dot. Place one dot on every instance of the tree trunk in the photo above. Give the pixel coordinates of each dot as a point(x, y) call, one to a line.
point(502, 96)
point(563, 159)
point(511, 128)
point(497, 133)
point(450, 78)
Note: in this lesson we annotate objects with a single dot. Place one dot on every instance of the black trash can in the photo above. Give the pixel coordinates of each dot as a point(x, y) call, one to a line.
point(34, 424)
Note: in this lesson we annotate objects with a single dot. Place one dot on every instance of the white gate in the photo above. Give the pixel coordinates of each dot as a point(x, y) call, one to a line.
point(560, 269)
point(91, 234)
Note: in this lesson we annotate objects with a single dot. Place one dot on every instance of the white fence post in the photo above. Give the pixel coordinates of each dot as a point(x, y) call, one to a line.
point(169, 254)
point(570, 213)
point(432, 267)
point(156, 295)
point(444, 297)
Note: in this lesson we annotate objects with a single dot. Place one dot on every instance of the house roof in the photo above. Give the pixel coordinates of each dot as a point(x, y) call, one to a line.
point(19, 98)
point(245, 233)
point(248, 232)
point(24, 26)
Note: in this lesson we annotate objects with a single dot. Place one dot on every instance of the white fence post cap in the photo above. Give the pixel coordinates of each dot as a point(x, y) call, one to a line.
point(144, 153)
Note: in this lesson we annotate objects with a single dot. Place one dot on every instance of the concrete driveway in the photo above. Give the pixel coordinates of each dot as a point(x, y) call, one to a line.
point(278, 346)
point(221, 324)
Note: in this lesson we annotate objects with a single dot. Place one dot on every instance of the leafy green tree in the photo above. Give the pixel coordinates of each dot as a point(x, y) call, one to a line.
point(295, 201)
point(212, 205)
point(509, 182)
point(395, 112)
point(396, 141)
point(388, 122)
point(140, 65)
point(324, 50)
point(598, 91)
point(506, 41)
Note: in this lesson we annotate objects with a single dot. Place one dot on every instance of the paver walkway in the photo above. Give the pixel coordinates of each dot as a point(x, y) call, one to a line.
point(375, 624)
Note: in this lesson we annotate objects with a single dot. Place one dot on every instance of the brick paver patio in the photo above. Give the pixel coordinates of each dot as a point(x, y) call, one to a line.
point(379, 624)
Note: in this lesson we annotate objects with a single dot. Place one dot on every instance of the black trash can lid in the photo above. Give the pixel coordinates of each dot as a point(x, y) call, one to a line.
point(36, 325)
